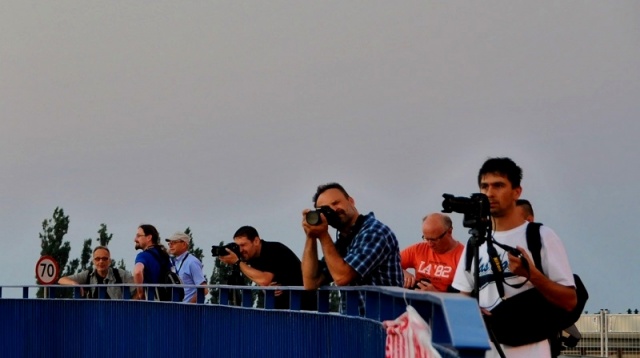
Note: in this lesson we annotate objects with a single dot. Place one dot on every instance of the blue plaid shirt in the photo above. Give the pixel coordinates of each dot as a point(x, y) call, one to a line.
point(374, 254)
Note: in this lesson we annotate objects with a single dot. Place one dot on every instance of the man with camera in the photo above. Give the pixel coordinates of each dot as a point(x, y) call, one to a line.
point(435, 259)
point(187, 266)
point(267, 264)
point(499, 179)
point(365, 253)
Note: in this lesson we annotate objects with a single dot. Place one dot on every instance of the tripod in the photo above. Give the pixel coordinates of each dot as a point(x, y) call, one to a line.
point(480, 230)
point(235, 279)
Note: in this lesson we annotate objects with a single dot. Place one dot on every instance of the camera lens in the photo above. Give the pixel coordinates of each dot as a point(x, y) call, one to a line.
point(313, 217)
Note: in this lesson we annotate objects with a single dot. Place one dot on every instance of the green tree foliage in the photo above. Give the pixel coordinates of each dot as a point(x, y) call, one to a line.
point(85, 256)
point(121, 264)
point(195, 251)
point(52, 244)
point(103, 236)
point(334, 300)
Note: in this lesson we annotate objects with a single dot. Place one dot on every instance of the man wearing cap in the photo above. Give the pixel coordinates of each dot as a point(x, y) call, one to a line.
point(187, 266)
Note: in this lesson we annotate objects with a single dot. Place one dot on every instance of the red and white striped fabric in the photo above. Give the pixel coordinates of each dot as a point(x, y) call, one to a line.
point(409, 336)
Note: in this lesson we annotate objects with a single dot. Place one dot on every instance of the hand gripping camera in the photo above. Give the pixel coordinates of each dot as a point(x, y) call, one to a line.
point(313, 217)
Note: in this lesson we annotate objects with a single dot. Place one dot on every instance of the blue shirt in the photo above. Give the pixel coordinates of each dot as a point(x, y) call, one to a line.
point(189, 268)
point(374, 254)
point(151, 265)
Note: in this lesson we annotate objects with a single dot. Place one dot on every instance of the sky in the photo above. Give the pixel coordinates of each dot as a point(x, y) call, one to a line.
point(214, 115)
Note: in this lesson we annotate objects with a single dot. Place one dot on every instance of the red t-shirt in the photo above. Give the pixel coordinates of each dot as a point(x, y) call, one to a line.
point(438, 268)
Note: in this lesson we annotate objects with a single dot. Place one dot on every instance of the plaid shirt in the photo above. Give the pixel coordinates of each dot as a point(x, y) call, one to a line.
point(374, 254)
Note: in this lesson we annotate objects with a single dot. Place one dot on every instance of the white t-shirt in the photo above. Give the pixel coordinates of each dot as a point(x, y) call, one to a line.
point(555, 265)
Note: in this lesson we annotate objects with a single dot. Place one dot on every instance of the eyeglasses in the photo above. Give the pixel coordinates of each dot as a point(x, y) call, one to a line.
point(100, 259)
point(176, 241)
point(437, 238)
point(141, 235)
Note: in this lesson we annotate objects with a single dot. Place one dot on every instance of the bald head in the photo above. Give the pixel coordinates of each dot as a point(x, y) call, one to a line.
point(437, 232)
point(438, 219)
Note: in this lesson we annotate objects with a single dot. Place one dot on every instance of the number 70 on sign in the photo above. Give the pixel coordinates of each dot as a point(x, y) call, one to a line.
point(47, 270)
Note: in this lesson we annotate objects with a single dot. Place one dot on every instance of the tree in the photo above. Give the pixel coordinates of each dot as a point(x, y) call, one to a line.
point(103, 237)
point(85, 256)
point(195, 251)
point(52, 244)
point(121, 264)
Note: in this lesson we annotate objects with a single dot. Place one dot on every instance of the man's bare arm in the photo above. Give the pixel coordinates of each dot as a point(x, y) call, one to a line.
point(138, 278)
point(340, 270)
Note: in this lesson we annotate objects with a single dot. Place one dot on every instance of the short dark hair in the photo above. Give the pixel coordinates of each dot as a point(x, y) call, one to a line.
point(526, 205)
point(324, 187)
point(151, 230)
point(101, 248)
point(246, 231)
point(503, 166)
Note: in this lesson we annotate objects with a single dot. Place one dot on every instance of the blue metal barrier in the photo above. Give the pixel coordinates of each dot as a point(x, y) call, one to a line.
point(123, 328)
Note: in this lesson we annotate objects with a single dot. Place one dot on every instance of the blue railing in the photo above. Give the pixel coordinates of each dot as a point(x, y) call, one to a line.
point(82, 327)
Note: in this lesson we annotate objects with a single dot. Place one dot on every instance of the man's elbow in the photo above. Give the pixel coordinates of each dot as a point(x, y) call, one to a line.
point(262, 282)
point(342, 281)
point(310, 284)
point(345, 278)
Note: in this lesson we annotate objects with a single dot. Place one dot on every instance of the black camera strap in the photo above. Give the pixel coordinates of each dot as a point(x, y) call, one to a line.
point(173, 261)
point(496, 267)
point(344, 239)
point(496, 262)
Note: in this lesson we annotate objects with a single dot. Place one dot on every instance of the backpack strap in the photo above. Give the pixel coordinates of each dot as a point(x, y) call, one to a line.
point(534, 243)
point(163, 266)
point(89, 291)
point(116, 275)
point(89, 273)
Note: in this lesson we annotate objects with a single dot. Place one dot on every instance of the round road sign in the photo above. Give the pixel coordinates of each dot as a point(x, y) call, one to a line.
point(47, 270)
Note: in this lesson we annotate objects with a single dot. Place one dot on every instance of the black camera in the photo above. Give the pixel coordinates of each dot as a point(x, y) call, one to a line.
point(313, 217)
point(423, 281)
point(476, 209)
point(220, 250)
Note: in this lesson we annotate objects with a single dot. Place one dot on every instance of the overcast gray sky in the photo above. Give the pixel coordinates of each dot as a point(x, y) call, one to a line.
point(221, 114)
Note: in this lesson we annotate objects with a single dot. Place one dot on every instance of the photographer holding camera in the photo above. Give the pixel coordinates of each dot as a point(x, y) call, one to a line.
point(499, 179)
point(365, 252)
point(267, 264)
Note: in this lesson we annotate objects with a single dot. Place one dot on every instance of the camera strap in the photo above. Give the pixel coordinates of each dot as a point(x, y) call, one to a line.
point(173, 261)
point(344, 239)
point(496, 267)
point(496, 262)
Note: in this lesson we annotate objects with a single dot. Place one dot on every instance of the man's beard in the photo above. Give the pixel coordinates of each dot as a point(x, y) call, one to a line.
point(138, 247)
point(339, 222)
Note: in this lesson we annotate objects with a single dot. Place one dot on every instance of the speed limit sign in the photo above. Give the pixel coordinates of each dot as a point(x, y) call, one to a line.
point(47, 270)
